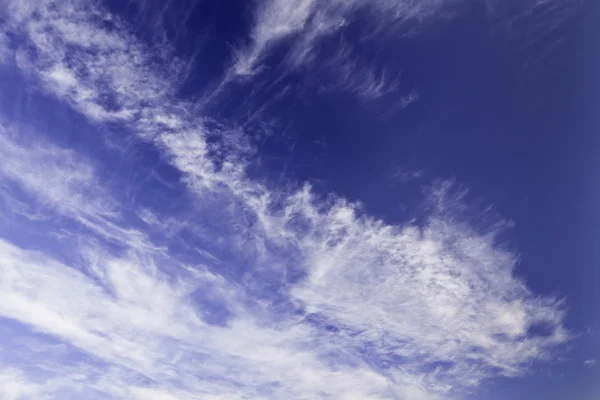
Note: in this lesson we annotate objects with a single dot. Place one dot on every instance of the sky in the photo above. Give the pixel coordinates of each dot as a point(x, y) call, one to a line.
point(299, 199)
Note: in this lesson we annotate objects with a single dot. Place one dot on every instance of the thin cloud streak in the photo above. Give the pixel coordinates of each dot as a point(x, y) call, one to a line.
point(313, 20)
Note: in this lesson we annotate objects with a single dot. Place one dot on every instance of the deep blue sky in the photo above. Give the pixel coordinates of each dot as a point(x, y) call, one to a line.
point(299, 200)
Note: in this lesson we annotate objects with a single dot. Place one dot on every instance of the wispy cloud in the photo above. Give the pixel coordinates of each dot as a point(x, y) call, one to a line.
point(406, 175)
point(147, 328)
point(306, 23)
point(302, 28)
point(301, 297)
point(58, 181)
point(54, 176)
point(590, 363)
point(5, 52)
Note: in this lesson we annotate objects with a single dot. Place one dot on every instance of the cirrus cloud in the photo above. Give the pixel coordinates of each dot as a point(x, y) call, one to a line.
point(293, 296)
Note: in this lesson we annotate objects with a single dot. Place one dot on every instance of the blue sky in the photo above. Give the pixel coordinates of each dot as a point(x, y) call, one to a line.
point(306, 199)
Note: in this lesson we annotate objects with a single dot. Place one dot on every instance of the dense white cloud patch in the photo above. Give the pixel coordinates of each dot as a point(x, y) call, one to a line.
point(323, 302)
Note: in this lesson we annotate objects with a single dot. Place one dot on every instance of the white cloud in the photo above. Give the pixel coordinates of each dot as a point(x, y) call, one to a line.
point(5, 50)
point(55, 176)
point(362, 309)
point(14, 386)
point(137, 321)
point(590, 363)
point(61, 181)
point(275, 20)
point(404, 175)
point(88, 66)
point(301, 27)
point(312, 20)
